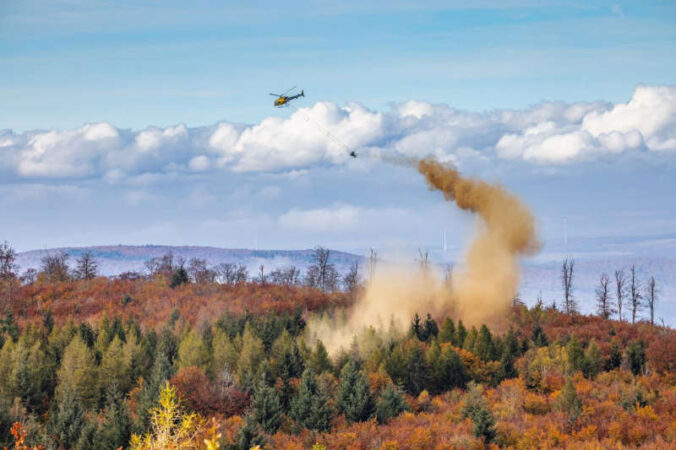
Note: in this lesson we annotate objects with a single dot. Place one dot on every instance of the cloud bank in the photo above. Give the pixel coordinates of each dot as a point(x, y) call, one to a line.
point(545, 134)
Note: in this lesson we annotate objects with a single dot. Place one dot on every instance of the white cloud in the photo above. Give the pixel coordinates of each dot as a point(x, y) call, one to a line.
point(546, 134)
point(339, 217)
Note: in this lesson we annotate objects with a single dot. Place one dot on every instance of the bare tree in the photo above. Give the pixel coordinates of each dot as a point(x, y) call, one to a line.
point(424, 260)
point(8, 269)
point(199, 272)
point(603, 297)
point(620, 291)
point(29, 276)
point(322, 274)
point(567, 283)
point(261, 274)
point(352, 279)
point(285, 276)
point(55, 267)
point(651, 298)
point(634, 294)
point(373, 261)
point(162, 265)
point(86, 267)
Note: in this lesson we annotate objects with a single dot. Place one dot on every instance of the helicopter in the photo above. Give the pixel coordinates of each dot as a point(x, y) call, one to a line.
point(283, 99)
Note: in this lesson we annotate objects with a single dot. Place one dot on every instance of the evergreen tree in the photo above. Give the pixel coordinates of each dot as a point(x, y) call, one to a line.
point(267, 409)
point(447, 332)
point(250, 435)
point(570, 403)
point(539, 338)
point(67, 419)
point(460, 335)
point(484, 344)
point(310, 408)
point(150, 392)
point(354, 396)
point(636, 357)
point(115, 430)
point(319, 359)
point(453, 370)
point(417, 329)
point(179, 277)
point(575, 354)
point(431, 329)
point(390, 404)
point(615, 358)
point(417, 370)
point(593, 360)
point(484, 424)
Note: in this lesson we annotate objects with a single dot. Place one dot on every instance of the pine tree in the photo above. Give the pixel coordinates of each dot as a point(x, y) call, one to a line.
point(539, 337)
point(417, 329)
point(484, 344)
point(431, 329)
point(115, 430)
point(192, 351)
point(179, 277)
point(615, 358)
point(570, 403)
point(593, 360)
point(447, 332)
point(390, 404)
point(250, 435)
point(267, 409)
point(319, 359)
point(354, 396)
point(78, 372)
point(417, 371)
point(460, 334)
point(484, 424)
point(575, 354)
point(310, 408)
point(67, 419)
point(636, 356)
point(150, 392)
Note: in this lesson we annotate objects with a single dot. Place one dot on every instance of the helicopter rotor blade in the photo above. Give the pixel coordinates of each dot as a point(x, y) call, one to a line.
point(275, 95)
point(289, 90)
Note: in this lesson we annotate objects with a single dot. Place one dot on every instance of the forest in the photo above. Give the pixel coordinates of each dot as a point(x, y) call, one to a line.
point(189, 356)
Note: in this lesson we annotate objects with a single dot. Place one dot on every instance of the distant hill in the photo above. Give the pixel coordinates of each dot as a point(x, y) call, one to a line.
point(539, 277)
point(116, 259)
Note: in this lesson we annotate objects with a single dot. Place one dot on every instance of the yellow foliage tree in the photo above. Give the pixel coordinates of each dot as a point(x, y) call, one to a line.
point(172, 428)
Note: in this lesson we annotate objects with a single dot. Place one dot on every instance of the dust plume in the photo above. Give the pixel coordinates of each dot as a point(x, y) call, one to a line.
point(478, 290)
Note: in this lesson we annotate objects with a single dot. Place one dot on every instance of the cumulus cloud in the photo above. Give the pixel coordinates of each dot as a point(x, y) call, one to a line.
point(546, 134)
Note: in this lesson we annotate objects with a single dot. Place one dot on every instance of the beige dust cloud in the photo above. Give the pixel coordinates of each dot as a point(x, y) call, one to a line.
point(480, 288)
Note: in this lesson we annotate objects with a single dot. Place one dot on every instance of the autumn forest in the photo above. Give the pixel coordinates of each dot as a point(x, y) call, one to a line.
point(185, 355)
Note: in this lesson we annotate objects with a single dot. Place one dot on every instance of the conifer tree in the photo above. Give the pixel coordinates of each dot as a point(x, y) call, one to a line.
point(636, 356)
point(593, 360)
point(78, 372)
point(431, 329)
point(354, 396)
point(570, 403)
point(319, 359)
point(192, 351)
point(115, 430)
point(575, 354)
point(447, 332)
point(390, 404)
point(310, 408)
point(150, 392)
point(267, 409)
point(417, 371)
point(460, 334)
point(484, 344)
point(67, 418)
point(250, 435)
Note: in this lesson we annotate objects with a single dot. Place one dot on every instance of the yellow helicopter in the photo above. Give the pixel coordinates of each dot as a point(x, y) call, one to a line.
point(283, 99)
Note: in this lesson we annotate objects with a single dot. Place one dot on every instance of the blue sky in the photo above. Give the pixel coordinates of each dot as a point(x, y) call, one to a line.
point(149, 122)
point(134, 64)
